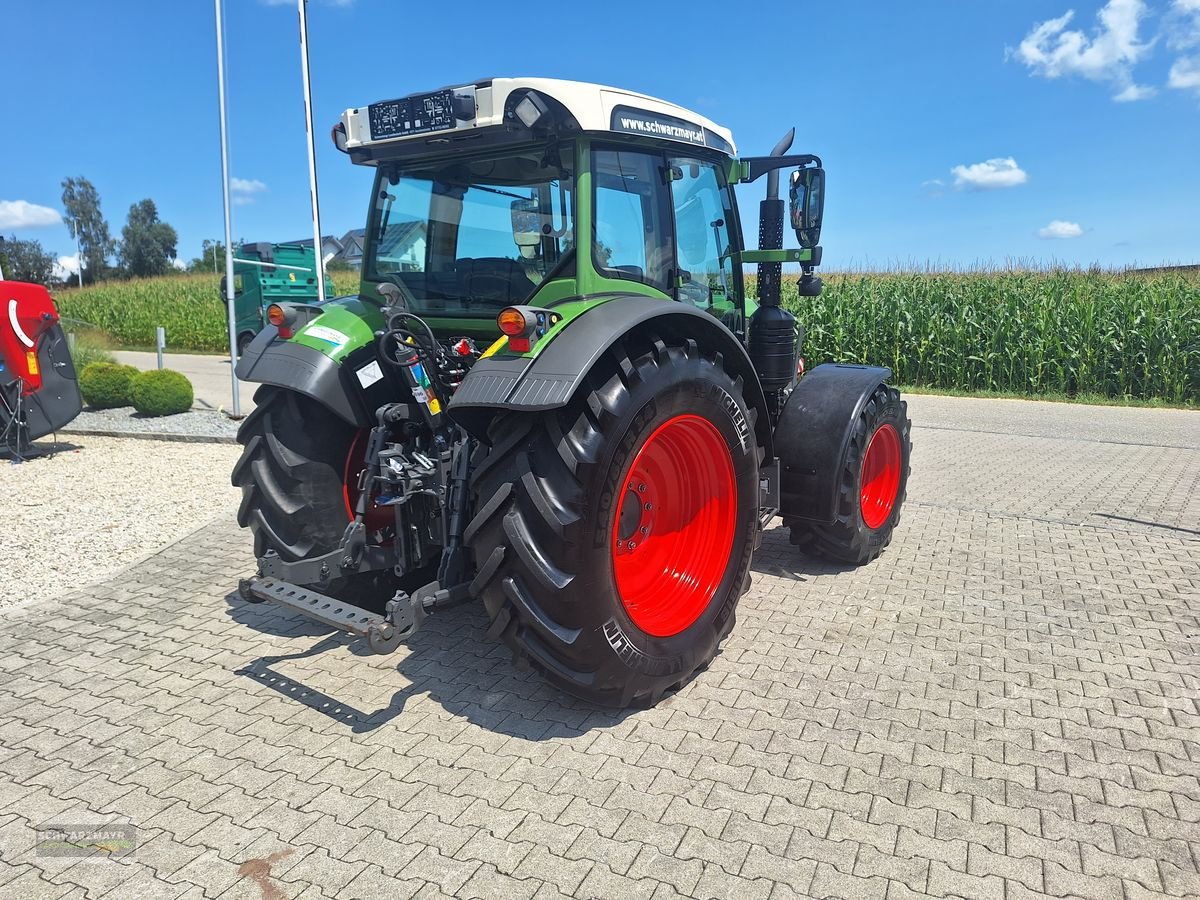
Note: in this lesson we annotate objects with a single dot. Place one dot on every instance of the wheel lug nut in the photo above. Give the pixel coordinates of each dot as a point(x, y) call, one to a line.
point(644, 530)
point(649, 506)
point(641, 489)
point(632, 545)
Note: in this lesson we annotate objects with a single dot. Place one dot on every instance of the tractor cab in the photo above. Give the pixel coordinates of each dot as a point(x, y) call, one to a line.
point(526, 191)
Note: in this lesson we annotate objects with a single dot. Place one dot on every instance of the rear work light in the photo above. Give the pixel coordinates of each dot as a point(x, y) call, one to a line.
point(338, 133)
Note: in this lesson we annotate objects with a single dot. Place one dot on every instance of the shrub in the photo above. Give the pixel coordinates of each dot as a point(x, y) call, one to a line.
point(162, 392)
point(107, 385)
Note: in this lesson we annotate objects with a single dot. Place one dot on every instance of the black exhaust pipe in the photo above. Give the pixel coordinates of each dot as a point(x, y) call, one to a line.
point(772, 328)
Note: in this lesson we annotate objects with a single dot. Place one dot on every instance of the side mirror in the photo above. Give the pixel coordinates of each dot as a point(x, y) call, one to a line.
point(807, 205)
point(526, 226)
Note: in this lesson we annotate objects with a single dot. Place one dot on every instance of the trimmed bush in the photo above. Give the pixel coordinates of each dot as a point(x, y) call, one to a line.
point(162, 392)
point(107, 385)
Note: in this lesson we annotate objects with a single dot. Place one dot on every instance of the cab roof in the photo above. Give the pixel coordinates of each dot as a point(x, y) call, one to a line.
point(424, 121)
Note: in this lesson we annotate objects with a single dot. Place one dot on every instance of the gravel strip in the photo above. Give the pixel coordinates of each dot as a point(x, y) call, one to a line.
point(196, 424)
point(101, 503)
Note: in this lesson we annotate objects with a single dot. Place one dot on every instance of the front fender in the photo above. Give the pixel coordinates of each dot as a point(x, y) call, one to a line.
point(550, 380)
point(813, 436)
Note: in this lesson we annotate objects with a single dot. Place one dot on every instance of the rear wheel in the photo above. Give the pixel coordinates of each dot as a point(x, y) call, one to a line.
point(874, 480)
point(613, 537)
point(299, 474)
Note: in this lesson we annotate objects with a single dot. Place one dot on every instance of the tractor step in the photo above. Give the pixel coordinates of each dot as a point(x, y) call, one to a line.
point(335, 613)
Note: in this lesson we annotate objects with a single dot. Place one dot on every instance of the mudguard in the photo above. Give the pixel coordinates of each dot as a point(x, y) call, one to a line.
point(58, 401)
point(309, 372)
point(549, 380)
point(813, 434)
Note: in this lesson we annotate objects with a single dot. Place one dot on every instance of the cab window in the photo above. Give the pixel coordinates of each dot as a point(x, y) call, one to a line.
point(632, 234)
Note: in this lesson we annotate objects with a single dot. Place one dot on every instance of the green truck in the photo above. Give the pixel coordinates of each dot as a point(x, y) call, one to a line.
point(265, 273)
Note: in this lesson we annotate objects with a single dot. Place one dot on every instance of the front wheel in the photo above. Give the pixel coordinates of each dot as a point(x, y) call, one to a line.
point(613, 537)
point(874, 480)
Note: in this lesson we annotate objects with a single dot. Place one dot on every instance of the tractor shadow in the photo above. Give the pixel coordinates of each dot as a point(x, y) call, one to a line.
point(780, 558)
point(451, 660)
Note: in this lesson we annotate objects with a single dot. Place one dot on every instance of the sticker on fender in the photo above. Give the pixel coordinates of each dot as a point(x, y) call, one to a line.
point(369, 374)
point(321, 333)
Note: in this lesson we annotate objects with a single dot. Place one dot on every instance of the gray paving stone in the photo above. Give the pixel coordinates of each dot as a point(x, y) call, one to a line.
point(1003, 705)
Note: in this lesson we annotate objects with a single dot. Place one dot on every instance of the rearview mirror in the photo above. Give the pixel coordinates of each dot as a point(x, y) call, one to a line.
point(807, 204)
point(526, 226)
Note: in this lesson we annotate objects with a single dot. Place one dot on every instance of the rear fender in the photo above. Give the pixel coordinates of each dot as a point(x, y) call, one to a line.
point(550, 380)
point(286, 364)
point(813, 435)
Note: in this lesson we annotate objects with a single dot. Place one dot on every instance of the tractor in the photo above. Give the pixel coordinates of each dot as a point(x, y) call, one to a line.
point(552, 393)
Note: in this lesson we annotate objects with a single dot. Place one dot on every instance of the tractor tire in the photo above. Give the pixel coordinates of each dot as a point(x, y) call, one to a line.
point(296, 460)
point(874, 481)
point(613, 537)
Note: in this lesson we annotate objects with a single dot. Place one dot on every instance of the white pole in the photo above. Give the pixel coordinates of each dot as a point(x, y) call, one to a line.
point(78, 255)
point(236, 409)
point(312, 150)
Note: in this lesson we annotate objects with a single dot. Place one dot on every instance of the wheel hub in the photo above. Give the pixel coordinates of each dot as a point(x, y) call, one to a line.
point(674, 526)
point(879, 482)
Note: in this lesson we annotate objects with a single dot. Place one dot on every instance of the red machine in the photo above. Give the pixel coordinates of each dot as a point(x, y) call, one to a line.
point(38, 389)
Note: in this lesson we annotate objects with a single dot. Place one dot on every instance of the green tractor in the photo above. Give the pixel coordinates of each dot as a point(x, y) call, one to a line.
point(552, 394)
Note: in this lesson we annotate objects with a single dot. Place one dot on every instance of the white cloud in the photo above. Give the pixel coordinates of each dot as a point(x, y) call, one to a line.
point(1001, 172)
point(1108, 55)
point(244, 189)
point(1183, 34)
point(1185, 74)
point(1060, 230)
point(246, 186)
point(23, 214)
point(178, 264)
point(66, 267)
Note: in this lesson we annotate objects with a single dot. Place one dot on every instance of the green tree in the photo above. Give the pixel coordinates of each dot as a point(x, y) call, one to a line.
point(147, 243)
point(86, 223)
point(26, 261)
point(211, 258)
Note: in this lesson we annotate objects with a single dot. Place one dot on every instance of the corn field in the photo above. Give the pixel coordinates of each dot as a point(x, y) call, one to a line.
point(1116, 335)
point(190, 307)
point(1062, 332)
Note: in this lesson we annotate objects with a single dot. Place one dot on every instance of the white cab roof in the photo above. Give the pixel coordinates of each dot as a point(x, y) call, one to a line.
point(595, 107)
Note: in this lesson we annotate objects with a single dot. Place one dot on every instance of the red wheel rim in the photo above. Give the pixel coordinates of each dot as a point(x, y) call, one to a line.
point(880, 479)
point(377, 517)
point(674, 523)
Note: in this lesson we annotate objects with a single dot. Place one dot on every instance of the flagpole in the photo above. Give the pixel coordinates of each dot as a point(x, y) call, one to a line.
point(236, 409)
point(312, 150)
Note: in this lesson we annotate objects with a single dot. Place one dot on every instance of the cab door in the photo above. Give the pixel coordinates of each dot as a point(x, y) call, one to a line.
point(705, 275)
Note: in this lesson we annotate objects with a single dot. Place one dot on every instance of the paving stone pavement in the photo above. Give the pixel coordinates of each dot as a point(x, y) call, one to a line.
point(1004, 705)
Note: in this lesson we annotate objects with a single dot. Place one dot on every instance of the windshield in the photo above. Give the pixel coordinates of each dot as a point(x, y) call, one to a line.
point(471, 236)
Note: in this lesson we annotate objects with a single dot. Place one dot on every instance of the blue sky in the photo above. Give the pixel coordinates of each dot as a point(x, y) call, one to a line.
point(953, 133)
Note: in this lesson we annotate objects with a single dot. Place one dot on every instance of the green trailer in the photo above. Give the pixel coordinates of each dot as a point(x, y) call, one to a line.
point(265, 273)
